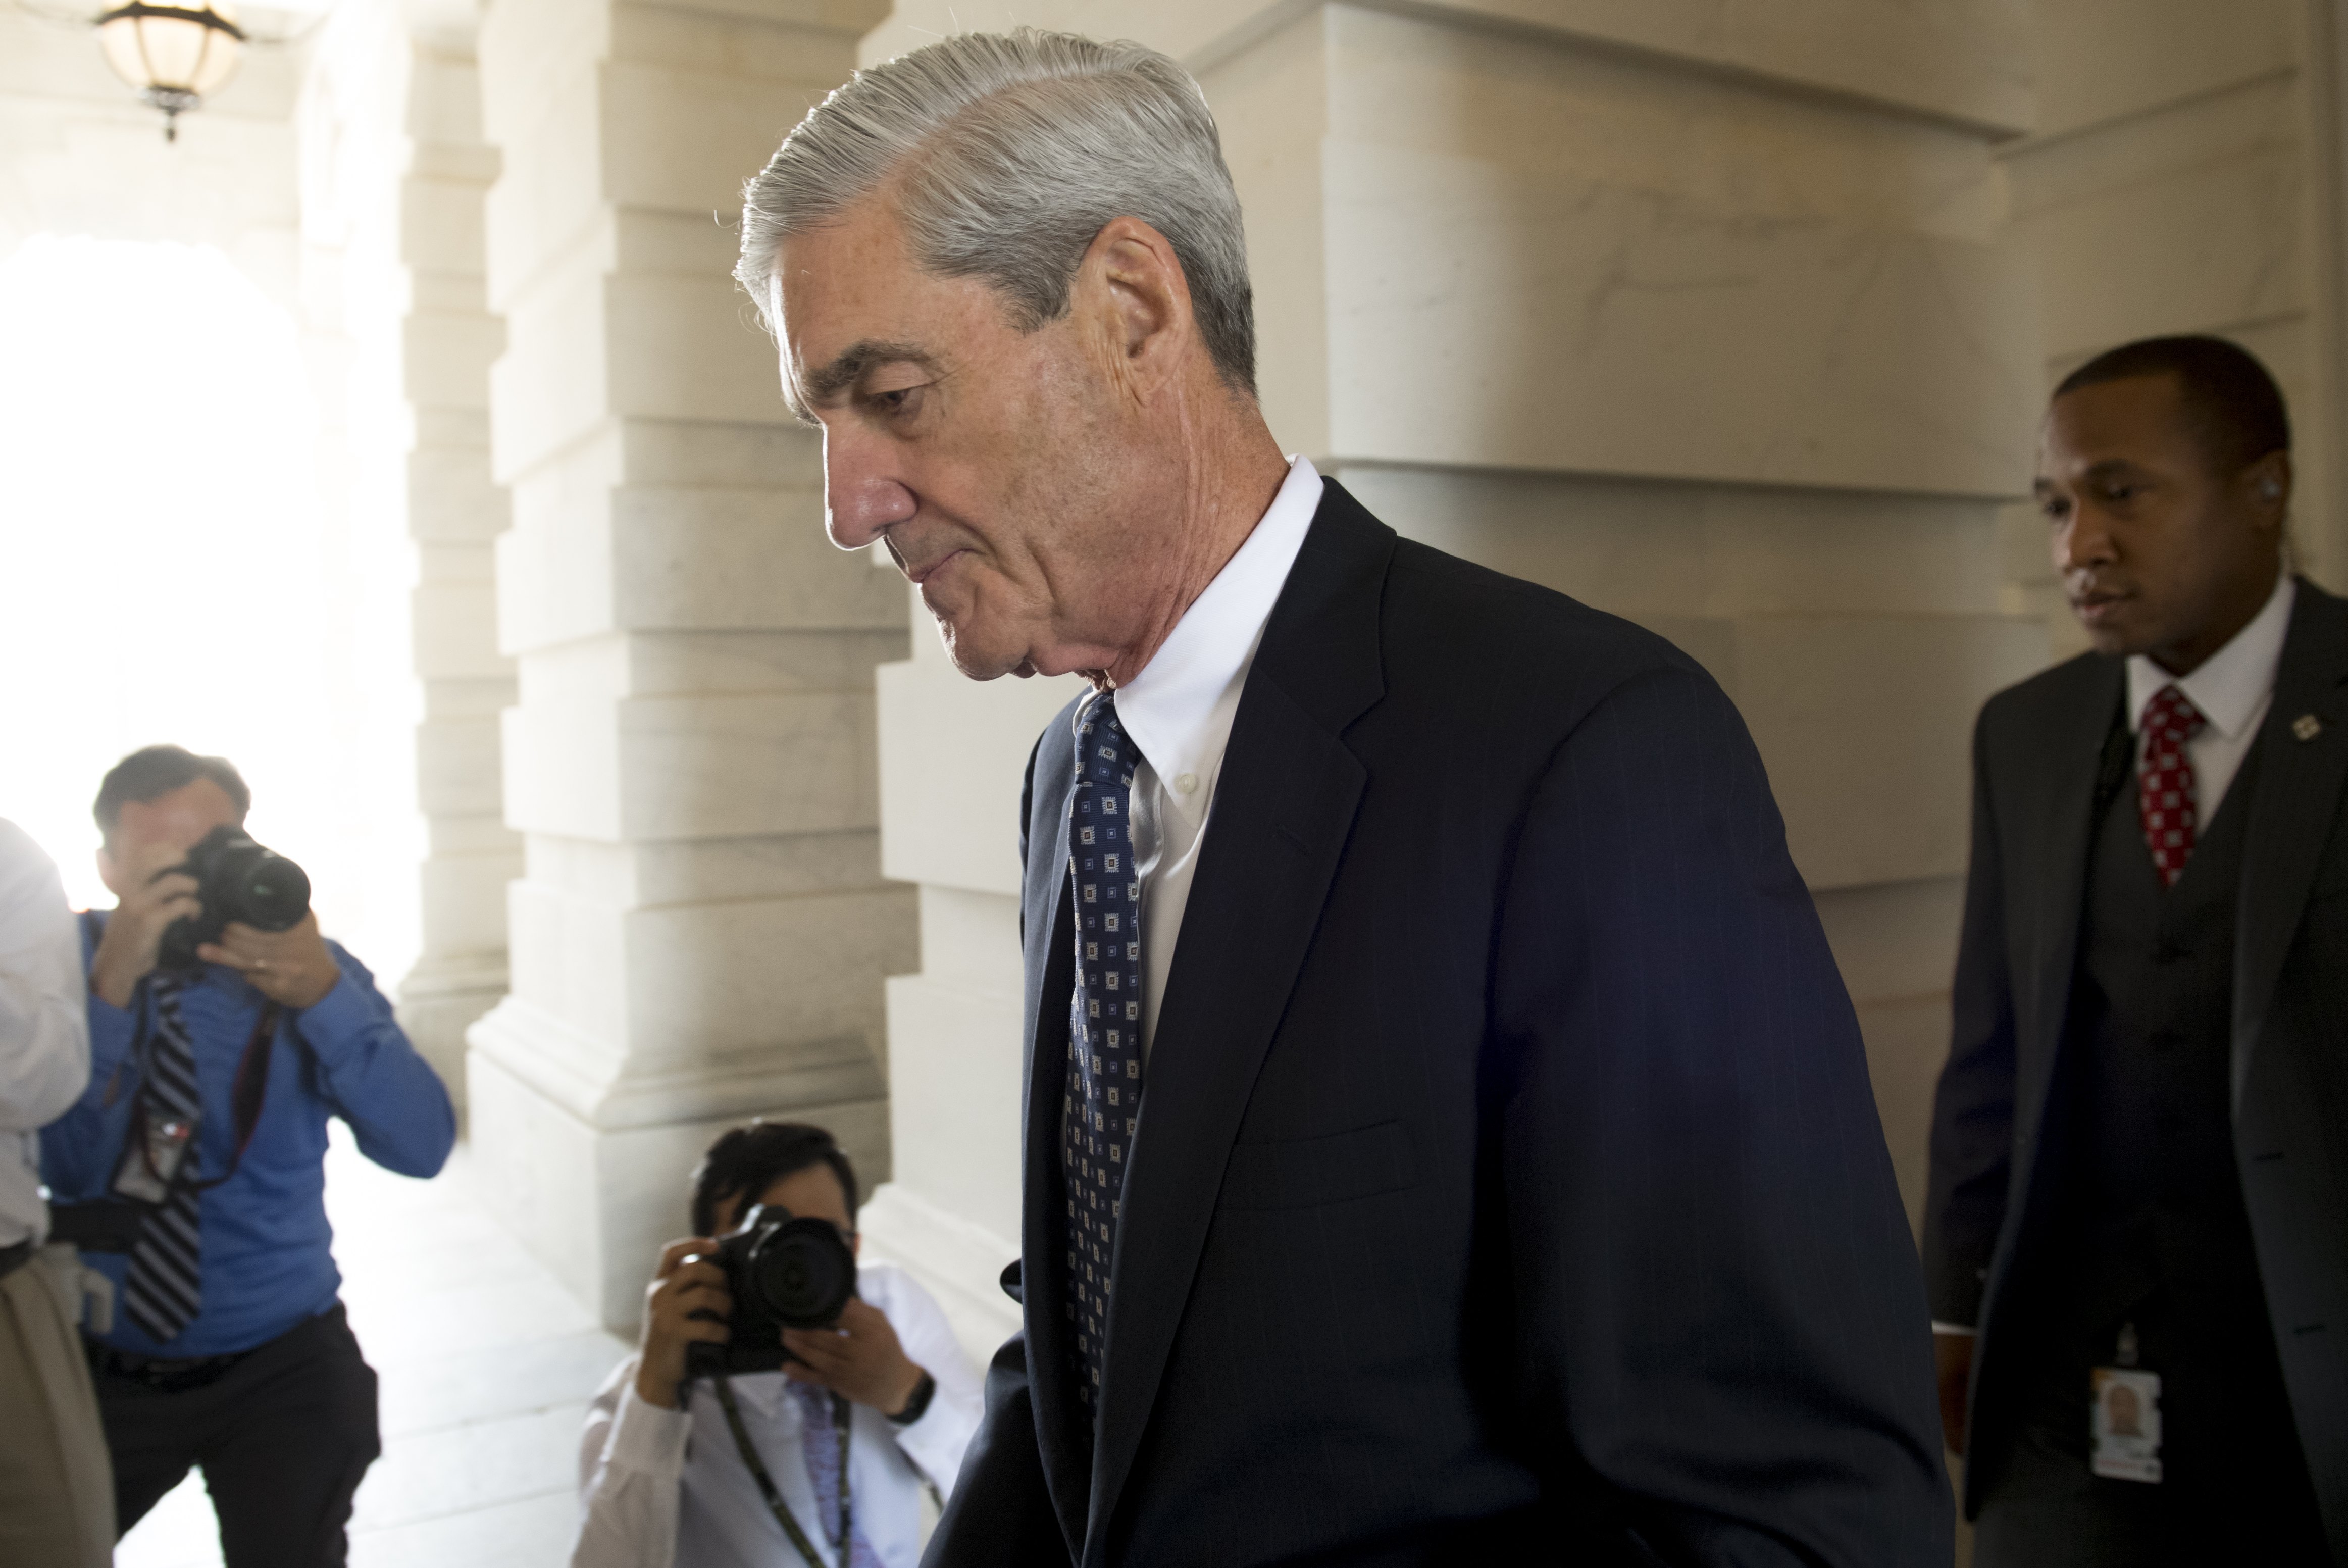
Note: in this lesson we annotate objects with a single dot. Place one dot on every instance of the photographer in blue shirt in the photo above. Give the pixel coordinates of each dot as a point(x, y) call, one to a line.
point(191, 1174)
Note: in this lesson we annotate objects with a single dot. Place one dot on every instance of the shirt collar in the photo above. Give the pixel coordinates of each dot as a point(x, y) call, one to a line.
point(2229, 687)
point(1170, 708)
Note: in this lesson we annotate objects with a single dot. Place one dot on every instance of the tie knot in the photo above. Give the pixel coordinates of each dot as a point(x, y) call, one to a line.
point(1104, 754)
point(2171, 714)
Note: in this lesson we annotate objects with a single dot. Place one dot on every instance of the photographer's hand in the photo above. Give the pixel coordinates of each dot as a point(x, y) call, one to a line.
point(292, 968)
point(158, 896)
point(685, 1286)
point(860, 1358)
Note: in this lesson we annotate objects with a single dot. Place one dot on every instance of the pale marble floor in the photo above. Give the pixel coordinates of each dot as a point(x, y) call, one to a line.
point(486, 1366)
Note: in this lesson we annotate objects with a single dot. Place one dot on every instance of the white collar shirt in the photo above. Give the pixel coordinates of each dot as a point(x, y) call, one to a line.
point(44, 1026)
point(2233, 689)
point(668, 1488)
point(1178, 712)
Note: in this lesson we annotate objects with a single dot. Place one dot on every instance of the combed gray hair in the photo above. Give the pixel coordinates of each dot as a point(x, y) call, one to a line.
point(1010, 152)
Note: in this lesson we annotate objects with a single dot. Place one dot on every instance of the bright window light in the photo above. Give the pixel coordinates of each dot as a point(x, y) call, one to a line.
point(170, 576)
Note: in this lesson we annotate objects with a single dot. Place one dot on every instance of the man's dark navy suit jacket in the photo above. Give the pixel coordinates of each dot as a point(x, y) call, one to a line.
point(1999, 1154)
point(1508, 1187)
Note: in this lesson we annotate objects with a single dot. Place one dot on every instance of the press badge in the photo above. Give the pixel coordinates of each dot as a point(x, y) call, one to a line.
point(2124, 1420)
point(148, 1179)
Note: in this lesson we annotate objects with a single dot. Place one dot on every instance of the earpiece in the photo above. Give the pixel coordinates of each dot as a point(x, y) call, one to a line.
point(2270, 490)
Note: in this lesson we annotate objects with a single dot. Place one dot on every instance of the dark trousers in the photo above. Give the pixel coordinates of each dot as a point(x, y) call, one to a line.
point(2239, 1494)
point(282, 1435)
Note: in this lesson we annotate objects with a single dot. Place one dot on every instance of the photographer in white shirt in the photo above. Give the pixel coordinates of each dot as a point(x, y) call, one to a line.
point(665, 1480)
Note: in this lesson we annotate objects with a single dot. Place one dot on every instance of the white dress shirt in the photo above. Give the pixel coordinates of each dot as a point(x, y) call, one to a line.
point(1178, 712)
point(43, 1027)
point(667, 1489)
point(2232, 688)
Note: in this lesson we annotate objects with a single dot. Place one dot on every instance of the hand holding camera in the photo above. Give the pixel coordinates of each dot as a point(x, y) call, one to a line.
point(686, 1304)
point(159, 895)
point(859, 1357)
point(226, 900)
point(779, 1294)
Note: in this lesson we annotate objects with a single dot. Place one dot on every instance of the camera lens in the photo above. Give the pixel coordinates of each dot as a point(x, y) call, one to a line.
point(263, 889)
point(802, 1272)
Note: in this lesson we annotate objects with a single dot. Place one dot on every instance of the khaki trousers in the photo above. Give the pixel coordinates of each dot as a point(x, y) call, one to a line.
point(56, 1490)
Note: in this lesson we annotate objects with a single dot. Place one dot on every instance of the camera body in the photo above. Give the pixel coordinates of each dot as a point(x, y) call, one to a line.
point(783, 1271)
point(236, 881)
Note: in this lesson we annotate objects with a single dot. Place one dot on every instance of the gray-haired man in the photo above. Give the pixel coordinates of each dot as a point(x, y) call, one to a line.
point(1446, 1137)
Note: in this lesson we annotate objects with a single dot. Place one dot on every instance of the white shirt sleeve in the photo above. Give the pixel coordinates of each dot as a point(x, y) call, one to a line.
point(43, 1005)
point(631, 1475)
point(935, 1443)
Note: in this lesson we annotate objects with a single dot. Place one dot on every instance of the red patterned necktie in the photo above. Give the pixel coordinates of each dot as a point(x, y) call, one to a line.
point(2165, 791)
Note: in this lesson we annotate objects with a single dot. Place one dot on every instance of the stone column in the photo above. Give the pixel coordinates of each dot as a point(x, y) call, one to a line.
point(455, 512)
point(702, 931)
point(1704, 322)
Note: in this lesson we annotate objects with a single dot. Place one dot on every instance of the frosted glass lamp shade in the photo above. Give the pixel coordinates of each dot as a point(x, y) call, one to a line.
point(175, 54)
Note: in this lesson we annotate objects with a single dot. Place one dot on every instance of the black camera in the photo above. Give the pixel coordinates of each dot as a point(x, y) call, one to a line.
point(783, 1271)
point(236, 880)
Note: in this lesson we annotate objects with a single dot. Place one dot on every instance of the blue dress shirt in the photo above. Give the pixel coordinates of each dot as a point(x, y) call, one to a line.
point(268, 1262)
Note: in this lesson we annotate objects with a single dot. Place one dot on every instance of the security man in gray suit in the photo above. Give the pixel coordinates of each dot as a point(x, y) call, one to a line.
point(2136, 1238)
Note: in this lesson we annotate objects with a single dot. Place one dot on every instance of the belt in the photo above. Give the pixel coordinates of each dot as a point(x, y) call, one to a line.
point(164, 1376)
point(17, 1257)
point(177, 1376)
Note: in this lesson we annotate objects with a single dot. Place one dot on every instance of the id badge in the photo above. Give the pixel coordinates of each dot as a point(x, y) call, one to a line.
point(149, 1179)
point(2124, 1420)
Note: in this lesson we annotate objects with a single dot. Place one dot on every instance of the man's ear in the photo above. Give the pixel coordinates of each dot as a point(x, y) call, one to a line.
point(2269, 485)
point(1135, 304)
point(109, 871)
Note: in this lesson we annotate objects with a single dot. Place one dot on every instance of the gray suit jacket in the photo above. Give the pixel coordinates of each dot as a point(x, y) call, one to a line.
point(2036, 756)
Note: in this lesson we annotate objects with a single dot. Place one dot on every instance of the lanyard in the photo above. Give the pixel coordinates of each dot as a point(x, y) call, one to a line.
point(775, 1503)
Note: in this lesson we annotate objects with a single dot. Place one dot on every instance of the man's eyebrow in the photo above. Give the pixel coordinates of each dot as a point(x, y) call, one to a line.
point(823, 384)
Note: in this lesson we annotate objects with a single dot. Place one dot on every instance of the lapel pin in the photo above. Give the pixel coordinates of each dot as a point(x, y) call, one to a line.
point(2307, 726)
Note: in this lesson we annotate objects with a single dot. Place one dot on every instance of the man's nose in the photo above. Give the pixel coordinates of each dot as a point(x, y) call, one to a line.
point(2084, 542)
point(861, 497)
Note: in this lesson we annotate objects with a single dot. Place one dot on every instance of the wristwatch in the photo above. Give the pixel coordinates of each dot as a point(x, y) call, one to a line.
point(918, 1404)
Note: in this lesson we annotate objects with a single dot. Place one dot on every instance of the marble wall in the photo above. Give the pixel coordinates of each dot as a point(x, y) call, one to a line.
point(1714, 326)
point(395, 175)
point(2184, 175)
point(702, 931)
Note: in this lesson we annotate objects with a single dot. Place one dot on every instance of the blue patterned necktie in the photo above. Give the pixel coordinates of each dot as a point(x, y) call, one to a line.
point(819, 1441)
point(1100, 1108)
point(163, 1288)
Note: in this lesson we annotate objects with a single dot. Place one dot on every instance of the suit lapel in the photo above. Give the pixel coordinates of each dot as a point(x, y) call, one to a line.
point(2061, 835)
point(1048, 939)
point(1284, 807)
point(2302, 768)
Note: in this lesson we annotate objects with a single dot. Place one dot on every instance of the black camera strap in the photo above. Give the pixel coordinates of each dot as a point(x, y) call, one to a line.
point(775, 1503)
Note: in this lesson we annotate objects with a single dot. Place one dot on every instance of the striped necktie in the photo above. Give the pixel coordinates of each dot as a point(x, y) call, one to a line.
point(1100, 1108)
point(822, 1416)
point(164, 1287)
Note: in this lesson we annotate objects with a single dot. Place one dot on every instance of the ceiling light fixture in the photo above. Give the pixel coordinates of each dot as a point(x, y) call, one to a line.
point(175, 54)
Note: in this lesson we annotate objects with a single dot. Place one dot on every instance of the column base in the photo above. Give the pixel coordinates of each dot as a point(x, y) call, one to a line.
point(594, 1186)
point(960, 1263)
